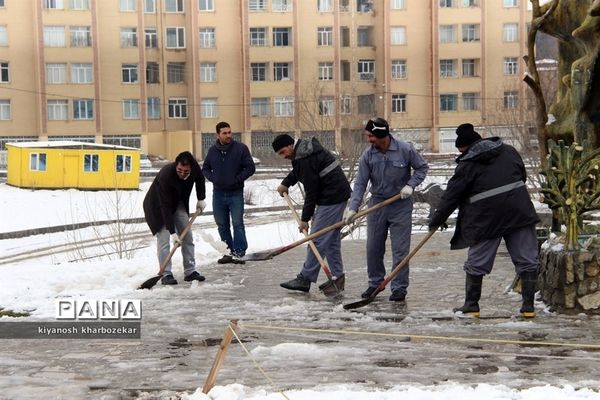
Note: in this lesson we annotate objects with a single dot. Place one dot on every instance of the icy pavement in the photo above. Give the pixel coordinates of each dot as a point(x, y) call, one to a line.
point(306, 340)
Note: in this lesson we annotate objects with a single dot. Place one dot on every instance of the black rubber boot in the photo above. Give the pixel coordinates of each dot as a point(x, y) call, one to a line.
point(528, 282)
point(472, 296)
point(299, 283)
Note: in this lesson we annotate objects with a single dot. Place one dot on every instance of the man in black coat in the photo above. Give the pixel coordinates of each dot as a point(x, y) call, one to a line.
point(326, 192)
point(488, 188)
point(166, 209)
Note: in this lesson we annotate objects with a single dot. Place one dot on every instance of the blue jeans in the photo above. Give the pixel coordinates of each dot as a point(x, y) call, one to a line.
point(228, 205)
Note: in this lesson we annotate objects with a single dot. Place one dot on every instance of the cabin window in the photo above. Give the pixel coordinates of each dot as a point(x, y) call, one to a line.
point(123, 163)
point(37, 161)
point(90, 162)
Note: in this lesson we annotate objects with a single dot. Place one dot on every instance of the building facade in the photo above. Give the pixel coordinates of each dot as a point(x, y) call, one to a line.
point(159, 74)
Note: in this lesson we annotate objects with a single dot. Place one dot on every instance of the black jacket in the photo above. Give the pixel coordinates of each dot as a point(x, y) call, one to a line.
point(166, 191)
point(488, 164)
point(228, 170)
point(310, 160)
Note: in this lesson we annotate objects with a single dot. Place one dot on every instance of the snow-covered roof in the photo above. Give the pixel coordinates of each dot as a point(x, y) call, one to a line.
point(69, 144)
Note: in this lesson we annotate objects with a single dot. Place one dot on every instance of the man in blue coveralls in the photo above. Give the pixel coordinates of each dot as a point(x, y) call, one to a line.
point(392, 166)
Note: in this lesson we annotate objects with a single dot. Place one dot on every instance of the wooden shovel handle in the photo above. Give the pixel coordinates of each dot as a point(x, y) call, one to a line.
point(177, 245)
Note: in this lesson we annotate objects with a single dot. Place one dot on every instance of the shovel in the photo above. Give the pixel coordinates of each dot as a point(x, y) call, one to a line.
point(326, 287)
point(269, 254)
point(395, 271)
point(149, 284)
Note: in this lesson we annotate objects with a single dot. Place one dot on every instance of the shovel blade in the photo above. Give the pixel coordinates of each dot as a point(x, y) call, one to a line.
point(333, 288)
point(358, 304)
point(259, 256)
point(149, 284)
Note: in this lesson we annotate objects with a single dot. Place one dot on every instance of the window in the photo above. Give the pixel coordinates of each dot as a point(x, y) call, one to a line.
point(325, 36)
point(366, 104)
point(470, 33)
point(3, 36)
point(398, 103)
point(511, 100)
point(258, 37)
point(81, 73)
point(129, 73)
point(83, 109)
point(398, 4)
point(345, 36)
point(152, 72)
point(470, 67)
point(54, 4)
point(346, 104)
point(448, 102)
point(470, 3)
point(324, 5)
point(366, 70)
point(398, 69)
point(79, 4)
point(176, 72)
point(54, 36)
point(363, 36)
point(206, 5)
point(208, 72)
point(282, 71)
point(4, 110)
point(259, 107)
point(364, 5)
point(131, 109)
point(56, 73)
point(150, 6)
point(510, 3)
point(207, 38)
point(81, 36)
point(326, 106)
point(447, 33)
point(128, 37)
point(37, 161)
point(174, 6)
point(153, 108)
point(4, 73)
point(398, 35)
point(325, 71)
point(470, 101)
point(57, 110)
point(1, 3)
point(283, 106)
point(90, 162)
point(127, 5)
point(177, 107)
point(282, 36)
point(258, 72)
point(208, 108)
point(281, 5)
point(123, 163)
point(176, 38)
point(510, 32)
point(257, 5)
point(151, 38)
point(511, 67)
point(448, 69)
point(446, 3)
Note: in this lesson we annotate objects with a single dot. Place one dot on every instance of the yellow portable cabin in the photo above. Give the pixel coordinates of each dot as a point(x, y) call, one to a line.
point(70, 164)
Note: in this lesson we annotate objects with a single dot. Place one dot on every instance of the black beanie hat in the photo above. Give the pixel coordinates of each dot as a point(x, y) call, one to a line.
point(378, 127)
point(281, 141)
point(466, 135)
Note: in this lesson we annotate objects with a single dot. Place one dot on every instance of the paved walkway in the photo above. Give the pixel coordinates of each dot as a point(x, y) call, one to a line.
point(384, 345)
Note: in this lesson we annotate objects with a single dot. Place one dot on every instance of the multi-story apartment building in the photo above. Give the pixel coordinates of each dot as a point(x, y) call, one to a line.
point(159, 74)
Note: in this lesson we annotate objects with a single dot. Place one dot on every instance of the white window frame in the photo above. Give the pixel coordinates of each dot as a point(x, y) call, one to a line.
point(82, 73)
point(83, 109)
point(281, 5)
point(131, 108)
point(128, 37)
point(448, 102)
point(324, 36)
point(346, 104)
point(470, 65)
point(177, 108)
point(209, 108)
point(258, 37)
point(510, 32)
point(398, 69)
point(54, 4)
point(398, 35)
point(471, 101)
point(174, 6)
point(56, 73)
point(366, 70)
point(91, 162)
point(511, 66)
point(282, 36)
point(510, 3)
point(470, 3)
point(448, 68)
point(282, 71)
point(151, 38)
point(259, 106)
point(261, 69)
point(511, 99)
point(152, 72)
point(130, 73)
point(153, 106)
point(123, 163)
point(81, 36)
point(447, 34)
point(326, 106)
point(470, 33)
point(5, 110)
point(38, 161)
point(127, 5)
point(257, 5)
point(4, 72)
point(54, 36)
point(150, 6)
point(398, 4)
point(57, 109)
point(208, 72)
point(3, 36)
point(207, 37)
point(79, 4)
point(178, 40)
point(283, 106)
point(326, 71)
point(399, 103)
point(176, 72)
point(446, 3)
point(324, 5)
point(206, 5)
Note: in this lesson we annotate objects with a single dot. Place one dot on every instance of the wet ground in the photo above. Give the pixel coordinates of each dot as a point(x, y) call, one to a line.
point(381, 345)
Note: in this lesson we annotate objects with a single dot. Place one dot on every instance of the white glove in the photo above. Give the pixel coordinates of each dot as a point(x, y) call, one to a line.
point(406, 192)
point(348, 216)
point(200, 205)
point(175, 240)
point(281, 189)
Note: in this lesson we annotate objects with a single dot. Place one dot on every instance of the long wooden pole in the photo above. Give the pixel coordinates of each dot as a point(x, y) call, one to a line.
point(225, 342)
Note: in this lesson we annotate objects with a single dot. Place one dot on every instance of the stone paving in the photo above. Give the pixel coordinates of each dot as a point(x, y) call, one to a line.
point(182, 328)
